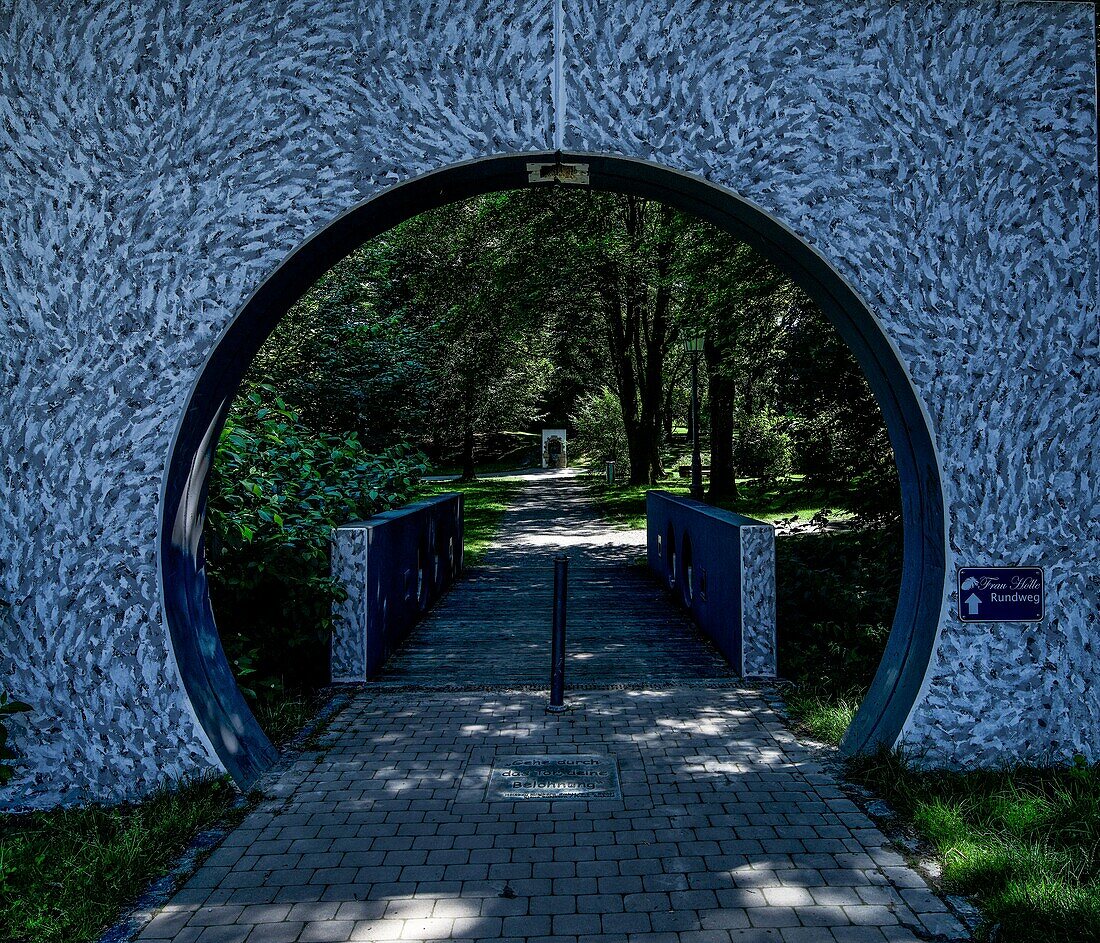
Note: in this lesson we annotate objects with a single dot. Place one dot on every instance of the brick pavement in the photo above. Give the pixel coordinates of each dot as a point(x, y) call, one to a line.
point(728, 830)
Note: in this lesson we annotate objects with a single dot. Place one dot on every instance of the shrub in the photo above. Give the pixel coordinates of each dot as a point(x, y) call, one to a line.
point(277, 490)
point(840, 450)
point(835, 599)
point(601, 435)
point(765, 448)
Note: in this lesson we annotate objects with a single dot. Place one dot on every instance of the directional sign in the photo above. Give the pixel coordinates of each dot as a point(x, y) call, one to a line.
point(1001, 594)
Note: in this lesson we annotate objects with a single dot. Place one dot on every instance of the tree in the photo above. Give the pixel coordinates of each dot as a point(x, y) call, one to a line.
point(745, 306)
point(456, 276)
point(489, 316)
point(345, 363)
point(621, 258)
point(601, 435)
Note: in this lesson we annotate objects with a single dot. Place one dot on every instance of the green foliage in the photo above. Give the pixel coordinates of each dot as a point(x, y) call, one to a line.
point(840, 437)
point(7, 708)
point(765, 446)
point(601, 435)
point(1024, 841)
point(442, 331)
point(505, 311)
point(345, 366)
point(276, 492)
point(835, 599)
point(67, 874)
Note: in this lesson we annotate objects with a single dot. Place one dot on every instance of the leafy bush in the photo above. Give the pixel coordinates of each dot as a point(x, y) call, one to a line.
point(277, 490)
point(765, 448)
point(601, 435)
point(840, 449)
point(835, 599)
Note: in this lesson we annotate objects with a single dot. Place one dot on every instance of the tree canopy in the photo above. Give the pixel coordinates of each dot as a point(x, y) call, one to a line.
point(463, 329)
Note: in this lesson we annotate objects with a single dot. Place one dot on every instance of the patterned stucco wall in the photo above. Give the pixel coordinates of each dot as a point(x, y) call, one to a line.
point(158, 160)
point(349, 555)
point(758, 654)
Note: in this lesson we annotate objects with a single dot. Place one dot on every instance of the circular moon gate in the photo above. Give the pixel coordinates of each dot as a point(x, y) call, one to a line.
point(241, 744)
point(159, 162)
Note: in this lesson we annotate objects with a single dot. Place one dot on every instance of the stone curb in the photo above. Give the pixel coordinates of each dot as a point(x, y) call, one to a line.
point(919, 855)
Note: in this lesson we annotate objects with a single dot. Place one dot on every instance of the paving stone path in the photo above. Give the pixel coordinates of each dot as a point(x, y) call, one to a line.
point(727, 829)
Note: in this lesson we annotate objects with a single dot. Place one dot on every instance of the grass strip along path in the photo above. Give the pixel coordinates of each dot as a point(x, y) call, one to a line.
point(1023, 842)
point(791, 497)
point(484, 504)
point(67, 874)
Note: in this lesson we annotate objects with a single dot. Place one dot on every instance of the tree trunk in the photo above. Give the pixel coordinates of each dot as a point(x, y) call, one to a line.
point(468, 473)
point(655, 332)
point(651, 434)
point(638, 332)
point(667, 419)
point(723, 478)
point(638, 451)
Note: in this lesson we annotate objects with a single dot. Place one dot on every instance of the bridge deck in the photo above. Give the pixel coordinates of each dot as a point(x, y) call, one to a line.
point(494, 626)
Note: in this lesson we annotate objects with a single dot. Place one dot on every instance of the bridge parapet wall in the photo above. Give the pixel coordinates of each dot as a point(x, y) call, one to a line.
point(721, 567)
point(394, 567)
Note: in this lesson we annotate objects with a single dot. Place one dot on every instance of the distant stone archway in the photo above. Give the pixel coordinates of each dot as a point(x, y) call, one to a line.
point(166, 202)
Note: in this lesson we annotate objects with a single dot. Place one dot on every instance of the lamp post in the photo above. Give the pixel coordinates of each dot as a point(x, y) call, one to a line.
point(693, 347)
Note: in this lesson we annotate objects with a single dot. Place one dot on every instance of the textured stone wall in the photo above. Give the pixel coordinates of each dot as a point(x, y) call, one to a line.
point(159, 160)
point(349, 618)
point(758, 652)
point(942, 157)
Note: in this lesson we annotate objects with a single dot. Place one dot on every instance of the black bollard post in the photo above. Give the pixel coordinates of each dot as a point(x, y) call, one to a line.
point(557, 638)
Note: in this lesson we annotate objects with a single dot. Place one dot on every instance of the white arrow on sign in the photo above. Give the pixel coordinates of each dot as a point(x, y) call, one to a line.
point(972, 602)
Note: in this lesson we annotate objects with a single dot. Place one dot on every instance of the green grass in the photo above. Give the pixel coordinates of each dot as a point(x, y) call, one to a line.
point(485, 502)
point(67, 874)
point(791, 497)
point(1024, 842)
point(283, 715)
point(824, 717)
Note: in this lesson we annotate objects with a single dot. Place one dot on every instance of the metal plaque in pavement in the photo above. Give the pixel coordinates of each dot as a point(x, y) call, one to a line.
point(1001, 594)
point(558, 776)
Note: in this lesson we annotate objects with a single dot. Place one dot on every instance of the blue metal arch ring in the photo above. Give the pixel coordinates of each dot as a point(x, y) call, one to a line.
point(241, 745)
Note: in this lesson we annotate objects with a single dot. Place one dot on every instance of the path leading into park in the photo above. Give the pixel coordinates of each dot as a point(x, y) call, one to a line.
point(494, 626)
point(723, 829)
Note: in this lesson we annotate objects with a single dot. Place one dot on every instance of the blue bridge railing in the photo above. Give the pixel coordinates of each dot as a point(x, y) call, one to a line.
point(394, 567)
point(721, 567)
